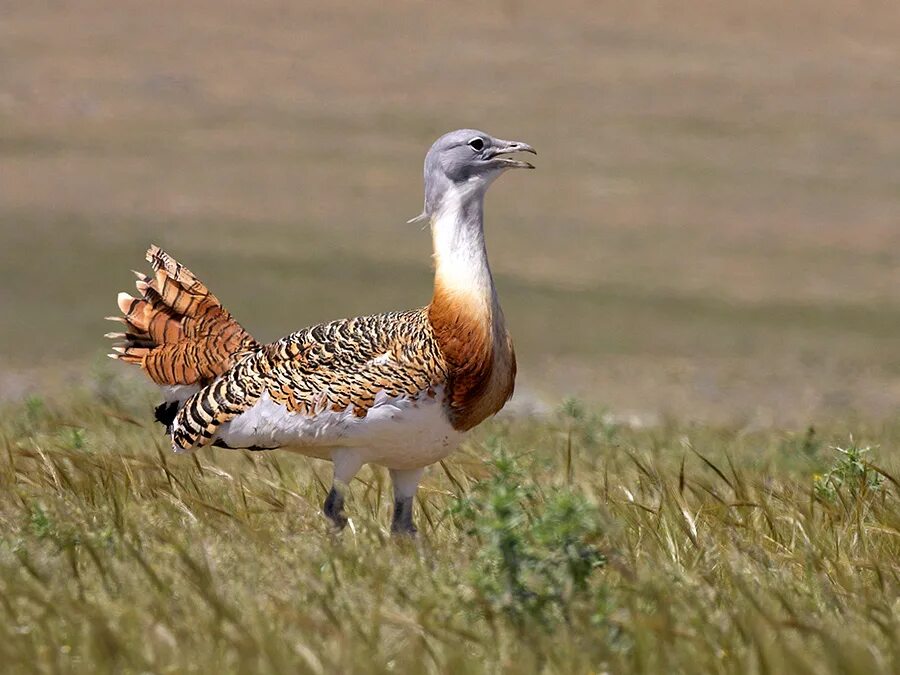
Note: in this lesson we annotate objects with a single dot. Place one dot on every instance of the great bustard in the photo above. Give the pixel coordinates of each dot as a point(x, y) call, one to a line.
point(397, 389)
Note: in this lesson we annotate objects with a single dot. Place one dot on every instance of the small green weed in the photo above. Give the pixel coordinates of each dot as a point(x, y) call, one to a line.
point(851, 472)
point(41, 525)
point(538, 546)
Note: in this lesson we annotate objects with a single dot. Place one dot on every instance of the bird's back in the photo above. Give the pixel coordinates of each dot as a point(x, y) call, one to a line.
point(347, 362)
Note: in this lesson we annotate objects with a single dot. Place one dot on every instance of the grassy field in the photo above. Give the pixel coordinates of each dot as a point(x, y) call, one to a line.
point(566, 545)
point(708, 257)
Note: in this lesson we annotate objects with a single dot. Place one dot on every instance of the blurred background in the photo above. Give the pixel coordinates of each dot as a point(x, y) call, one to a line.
point(713, 231)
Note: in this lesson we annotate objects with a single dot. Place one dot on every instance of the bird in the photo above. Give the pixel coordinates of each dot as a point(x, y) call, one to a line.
point(398, 389)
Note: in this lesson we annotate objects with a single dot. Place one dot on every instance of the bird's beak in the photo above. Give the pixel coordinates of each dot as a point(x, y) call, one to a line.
point(501, 148)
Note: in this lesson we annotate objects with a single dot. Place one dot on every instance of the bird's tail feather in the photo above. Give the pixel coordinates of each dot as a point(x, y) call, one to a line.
point(177, 330)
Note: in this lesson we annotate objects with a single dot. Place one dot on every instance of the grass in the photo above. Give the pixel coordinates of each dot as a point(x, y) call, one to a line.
point(568, 544)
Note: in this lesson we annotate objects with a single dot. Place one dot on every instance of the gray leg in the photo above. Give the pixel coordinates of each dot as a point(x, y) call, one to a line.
point(334, 507)
point(405, 484)
point(346, 464)
point(403, 517)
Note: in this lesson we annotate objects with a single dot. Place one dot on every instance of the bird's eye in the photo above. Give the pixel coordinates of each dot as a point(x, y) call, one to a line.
point(477, 144)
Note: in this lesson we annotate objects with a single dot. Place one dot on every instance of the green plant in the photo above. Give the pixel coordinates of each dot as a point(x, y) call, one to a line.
point(851, 472)
point(41, 525)
point(538, 546)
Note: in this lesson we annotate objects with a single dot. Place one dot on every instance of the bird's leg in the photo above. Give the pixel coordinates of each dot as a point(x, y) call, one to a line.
point(405, 484)
point(346, 464)
point(334, 507)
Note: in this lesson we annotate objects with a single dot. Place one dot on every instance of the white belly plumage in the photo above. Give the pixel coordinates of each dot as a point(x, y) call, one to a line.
point(399, 433)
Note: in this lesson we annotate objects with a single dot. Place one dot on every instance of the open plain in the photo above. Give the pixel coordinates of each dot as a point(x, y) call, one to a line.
point(707, 259)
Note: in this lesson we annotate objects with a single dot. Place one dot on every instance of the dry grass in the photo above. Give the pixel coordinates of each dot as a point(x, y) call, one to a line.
point(706, 550)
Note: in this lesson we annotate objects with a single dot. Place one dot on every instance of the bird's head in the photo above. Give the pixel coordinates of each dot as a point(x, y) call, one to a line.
point(466, 162)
